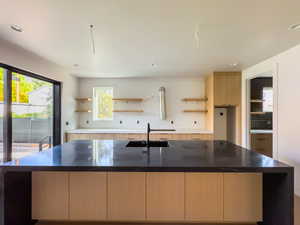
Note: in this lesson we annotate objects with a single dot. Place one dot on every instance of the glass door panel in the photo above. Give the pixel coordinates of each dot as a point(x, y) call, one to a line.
point(32, 115)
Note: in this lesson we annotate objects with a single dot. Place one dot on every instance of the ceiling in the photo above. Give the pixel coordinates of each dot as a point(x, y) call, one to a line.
point(135, 38)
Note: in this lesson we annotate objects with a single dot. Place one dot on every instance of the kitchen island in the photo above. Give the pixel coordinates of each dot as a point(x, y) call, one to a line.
point(188, 181)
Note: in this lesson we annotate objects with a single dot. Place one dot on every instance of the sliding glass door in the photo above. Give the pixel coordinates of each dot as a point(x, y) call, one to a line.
point(29, 113)
point(32, 115)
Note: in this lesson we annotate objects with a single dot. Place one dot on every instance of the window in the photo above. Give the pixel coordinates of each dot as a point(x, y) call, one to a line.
point(267, 99)
point(103, 103)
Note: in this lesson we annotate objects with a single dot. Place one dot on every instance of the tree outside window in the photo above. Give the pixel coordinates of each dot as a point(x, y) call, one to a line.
point(103, 103)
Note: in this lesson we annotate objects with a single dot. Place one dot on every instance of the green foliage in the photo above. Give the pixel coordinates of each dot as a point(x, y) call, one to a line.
point(105, 105)
point(21, 87)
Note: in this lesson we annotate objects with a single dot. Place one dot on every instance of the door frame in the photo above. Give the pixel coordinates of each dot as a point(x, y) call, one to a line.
point(7, 117)
point(270, 72)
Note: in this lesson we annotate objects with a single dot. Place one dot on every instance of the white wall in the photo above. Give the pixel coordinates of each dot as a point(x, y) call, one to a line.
point(286, 70)
point(20, 58)
point(147, 88)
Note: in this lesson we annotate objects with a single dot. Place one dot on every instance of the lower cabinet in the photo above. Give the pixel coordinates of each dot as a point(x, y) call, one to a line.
point(126, 196)
point(242, 197)
point(88, 194)
point(204, 196)
point(262, 143)
point(152, 196)
point(50, 195)
point(165, 196)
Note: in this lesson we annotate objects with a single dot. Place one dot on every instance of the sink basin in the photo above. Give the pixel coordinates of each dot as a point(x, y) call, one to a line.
point(144, 144)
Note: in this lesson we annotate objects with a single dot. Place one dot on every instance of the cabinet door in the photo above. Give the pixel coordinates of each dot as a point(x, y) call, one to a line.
point(165, 196)
point(262, 143)
point(50, 195)
point(227, 88)
point(204, 196)
point(88, 191)
point(220, 89)
point(243, 197)
point(126, 196)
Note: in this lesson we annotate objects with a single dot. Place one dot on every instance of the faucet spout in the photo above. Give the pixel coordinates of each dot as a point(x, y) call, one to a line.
point(150, 130)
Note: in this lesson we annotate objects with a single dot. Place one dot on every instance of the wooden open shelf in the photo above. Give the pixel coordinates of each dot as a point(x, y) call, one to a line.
point(195, 111)
point(128, 110)
point(86, 111)
point(194, 99)
point(83, 99)
point(128, 99)
point(256, 100)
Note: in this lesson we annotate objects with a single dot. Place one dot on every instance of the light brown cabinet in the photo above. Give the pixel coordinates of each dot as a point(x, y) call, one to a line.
point(242, 197)
point(126, 196)
point(204, 196)
point(88, 196)
point(262, 143)
point(165, 196)
point(131, 136)
point(227, 88)
point(152, 196)
point(50, 195)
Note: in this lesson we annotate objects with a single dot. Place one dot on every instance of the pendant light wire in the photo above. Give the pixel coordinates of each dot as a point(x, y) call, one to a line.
point(92, 39)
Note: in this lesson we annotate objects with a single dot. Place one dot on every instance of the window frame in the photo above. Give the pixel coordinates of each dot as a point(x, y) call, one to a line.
point(7, 112)
point(95, 102)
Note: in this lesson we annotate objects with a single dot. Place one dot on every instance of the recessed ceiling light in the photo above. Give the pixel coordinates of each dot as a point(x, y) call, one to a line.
point(233, 64)
point(295, 27)
point(16, 28)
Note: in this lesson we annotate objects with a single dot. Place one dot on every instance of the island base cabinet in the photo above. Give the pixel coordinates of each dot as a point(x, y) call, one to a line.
point(147, 196)
point(165, 196)
point(126, 196)
point(242, 197)
point(204, 197)
point(50, 195)
point(88, 196)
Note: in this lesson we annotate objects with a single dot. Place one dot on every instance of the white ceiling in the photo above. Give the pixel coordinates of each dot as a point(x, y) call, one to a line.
point(180, 37)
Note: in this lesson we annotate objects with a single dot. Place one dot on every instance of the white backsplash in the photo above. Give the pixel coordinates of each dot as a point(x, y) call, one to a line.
point(147, 88)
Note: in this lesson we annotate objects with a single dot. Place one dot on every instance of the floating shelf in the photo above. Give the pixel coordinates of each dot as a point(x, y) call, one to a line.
point(257, 113)
point(195, 111)
point(86, 111)
point(128, 99)
point(194, 99)
point(128, 110)
point(256, 101)
point(83, 99)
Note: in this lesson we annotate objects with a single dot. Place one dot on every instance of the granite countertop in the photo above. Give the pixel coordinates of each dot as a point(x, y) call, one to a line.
point(112, 131)
point(180, 156)
point(261, 131)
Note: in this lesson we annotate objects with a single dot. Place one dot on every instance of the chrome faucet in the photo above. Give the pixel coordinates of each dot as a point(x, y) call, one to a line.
point(150, 130)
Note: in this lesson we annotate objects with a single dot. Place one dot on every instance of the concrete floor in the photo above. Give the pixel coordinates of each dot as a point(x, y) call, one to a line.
point(297, 220)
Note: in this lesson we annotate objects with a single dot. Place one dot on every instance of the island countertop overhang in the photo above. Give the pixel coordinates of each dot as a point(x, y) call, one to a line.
point(180, 156)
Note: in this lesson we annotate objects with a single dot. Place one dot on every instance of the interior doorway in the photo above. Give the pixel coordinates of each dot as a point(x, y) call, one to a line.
point(261, 114)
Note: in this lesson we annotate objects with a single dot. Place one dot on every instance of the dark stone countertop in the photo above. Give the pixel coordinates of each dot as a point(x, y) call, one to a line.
point(180, 156)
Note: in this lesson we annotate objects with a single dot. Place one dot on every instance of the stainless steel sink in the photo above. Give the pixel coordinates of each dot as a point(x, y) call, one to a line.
point(144, 144)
